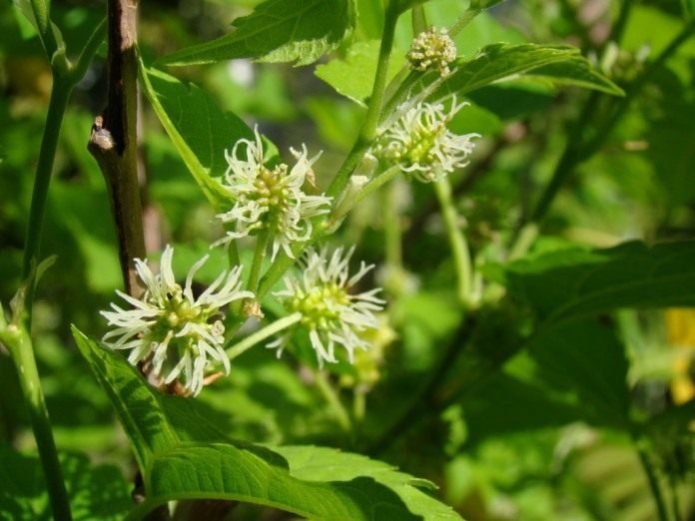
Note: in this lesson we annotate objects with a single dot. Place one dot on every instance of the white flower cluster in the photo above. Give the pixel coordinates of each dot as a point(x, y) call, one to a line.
point(432, 49)
point(270, 199)
point(330, 313)
point(420, 143)
point(180, 335)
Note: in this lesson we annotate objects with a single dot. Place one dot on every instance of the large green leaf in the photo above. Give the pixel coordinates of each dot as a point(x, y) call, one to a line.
point(175, 468)
point(573, 372)
point(506, 404)
point(502, 62)
point(199, 129)
point(571, 283)
point(325, 464)
point(298, 31)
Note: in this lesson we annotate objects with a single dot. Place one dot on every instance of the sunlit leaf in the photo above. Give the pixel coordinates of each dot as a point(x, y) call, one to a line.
point(353, 76)
point(556, 64)
point(174, 469)
point(298, 31)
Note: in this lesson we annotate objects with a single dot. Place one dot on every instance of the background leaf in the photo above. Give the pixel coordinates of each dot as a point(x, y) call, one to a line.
point(567, 284)
point(199, 129)
point(96, 491)
point(502, 62)
point(353, 76)
point(298, 31)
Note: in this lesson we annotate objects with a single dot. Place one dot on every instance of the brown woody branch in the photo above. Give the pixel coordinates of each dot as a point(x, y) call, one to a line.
point(113, 141)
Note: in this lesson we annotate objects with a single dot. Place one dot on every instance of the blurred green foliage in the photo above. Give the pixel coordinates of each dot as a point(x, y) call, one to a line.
point(537, 416)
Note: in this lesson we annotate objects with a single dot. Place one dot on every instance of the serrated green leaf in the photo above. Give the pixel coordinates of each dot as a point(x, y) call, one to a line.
point(503, 62)
point(199, 129)
point(325, 464)
point(298, 31)
point(573, 283)
point(223, 471)
point(136, 403)
point(353, 76)
point(174, 469)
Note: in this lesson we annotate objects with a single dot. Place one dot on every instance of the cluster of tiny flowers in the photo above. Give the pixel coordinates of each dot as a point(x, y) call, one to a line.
point(181, 336)
point(329, 312)
point(420, 143)
point(432, 49)
point(270, 199)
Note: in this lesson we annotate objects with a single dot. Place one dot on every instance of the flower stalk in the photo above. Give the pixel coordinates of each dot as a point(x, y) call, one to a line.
point(371, 121)
point(457, 240)
point(257, 337)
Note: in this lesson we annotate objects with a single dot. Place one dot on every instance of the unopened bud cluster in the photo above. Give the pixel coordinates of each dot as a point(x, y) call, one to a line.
point(432, 49)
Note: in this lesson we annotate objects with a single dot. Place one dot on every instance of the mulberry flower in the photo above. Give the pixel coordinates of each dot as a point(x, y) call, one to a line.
point(432, 49)
point(422, 145)
point(330, 313)
point(182, 336)
point(270, 199)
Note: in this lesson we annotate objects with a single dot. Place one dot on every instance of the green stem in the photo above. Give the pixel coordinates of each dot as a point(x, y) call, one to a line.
point(524, 240)
point(343, 209)
point(620, 24)
point(404, 81)
point(258, 258)
point(457, 240)
point(463, 21)
point(41, 10)
point(675, 503)
point(281, 264)
point(653, 480)
point(367, 135)
point(333, 400)
point(392, 228)
point(21, 350)
point(88, 52)
point(271, 329)
point(371, 120)
point(60, 93)
point(419, 19)
point(233, 254)
point(359, 404)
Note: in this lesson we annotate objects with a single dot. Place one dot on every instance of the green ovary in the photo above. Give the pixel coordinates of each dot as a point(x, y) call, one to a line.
point(315, 306)
point(273, 194)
